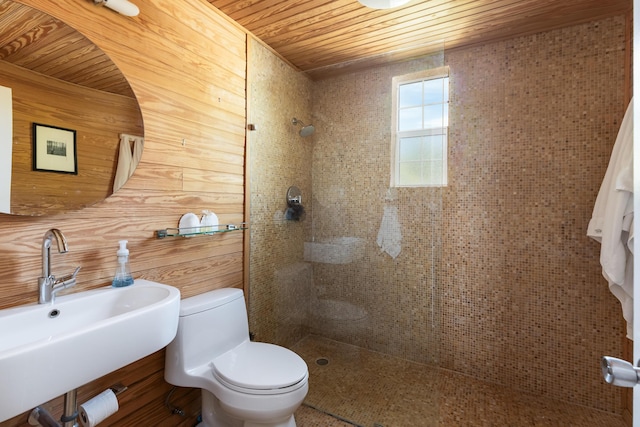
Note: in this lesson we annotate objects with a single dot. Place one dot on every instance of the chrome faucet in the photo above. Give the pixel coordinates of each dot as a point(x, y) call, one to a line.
point(48, 286)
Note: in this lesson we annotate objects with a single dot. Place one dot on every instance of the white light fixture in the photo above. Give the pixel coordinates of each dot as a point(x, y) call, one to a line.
point(124, 7)
point(383, 4)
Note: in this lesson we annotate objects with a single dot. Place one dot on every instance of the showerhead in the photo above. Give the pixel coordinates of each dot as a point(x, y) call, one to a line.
point(306, 130)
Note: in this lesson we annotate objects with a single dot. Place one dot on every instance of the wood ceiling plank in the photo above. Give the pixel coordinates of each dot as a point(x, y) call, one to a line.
point(341, 17)
point(44, 49)
point(252, 17)
point(458, 39)
point(319, 35)
point(236, 10)
point(315, 34)
point(360, 45)
point(276, 19)
point(15, 20)
point(350, 29)
point(46, 37)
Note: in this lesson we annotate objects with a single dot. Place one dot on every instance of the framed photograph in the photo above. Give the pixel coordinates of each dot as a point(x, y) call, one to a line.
point(54, 149)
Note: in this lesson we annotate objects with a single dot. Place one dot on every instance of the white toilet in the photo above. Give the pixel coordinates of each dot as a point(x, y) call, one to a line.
point(244, 383)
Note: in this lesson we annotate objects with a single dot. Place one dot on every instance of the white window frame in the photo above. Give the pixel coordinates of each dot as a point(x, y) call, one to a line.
point(436, 73)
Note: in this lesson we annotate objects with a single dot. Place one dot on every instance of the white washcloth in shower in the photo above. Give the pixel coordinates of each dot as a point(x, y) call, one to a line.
point(612, 220)
point(390, 233)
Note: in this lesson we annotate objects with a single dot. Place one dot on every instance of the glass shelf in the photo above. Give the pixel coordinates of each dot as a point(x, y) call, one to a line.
point(206, 230)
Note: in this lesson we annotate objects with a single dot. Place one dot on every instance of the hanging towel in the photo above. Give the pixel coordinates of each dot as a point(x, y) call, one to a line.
point(127, 160)
point(390, 234)
point(612, 220)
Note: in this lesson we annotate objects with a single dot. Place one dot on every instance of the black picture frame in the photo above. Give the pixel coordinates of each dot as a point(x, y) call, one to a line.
point(54, 149)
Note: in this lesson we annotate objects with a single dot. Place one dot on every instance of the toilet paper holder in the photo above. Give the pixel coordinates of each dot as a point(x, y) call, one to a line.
point(118, 388)
point(40, 416)
point(101, 406)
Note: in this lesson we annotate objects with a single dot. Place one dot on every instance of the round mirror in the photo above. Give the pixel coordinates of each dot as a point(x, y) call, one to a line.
point(76, 125)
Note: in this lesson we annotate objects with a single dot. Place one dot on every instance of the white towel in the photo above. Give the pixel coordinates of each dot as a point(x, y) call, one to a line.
point(390, 233)
point(127, 160)
point(612, 220)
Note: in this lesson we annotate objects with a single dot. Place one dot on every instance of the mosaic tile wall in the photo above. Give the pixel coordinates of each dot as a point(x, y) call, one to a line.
point(279, 158)
point(393, 300)
point(496, 278)
point(519, 299)
point(521, 277)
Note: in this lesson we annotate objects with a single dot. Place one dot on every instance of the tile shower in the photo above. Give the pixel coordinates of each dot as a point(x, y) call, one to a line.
point(496, 279)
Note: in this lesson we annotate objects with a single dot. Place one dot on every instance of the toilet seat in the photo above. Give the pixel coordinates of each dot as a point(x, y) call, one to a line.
point(260, 368)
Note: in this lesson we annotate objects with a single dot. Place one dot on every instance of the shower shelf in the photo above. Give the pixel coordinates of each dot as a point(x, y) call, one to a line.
point(197, 231)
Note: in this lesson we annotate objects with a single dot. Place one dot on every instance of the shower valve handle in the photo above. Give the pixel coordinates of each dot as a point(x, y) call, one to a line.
point(619, 372)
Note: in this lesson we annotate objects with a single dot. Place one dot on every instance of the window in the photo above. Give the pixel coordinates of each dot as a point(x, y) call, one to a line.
point(421, 120)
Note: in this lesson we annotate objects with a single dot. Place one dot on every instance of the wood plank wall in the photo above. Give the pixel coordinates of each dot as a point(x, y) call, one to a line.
point(187, 67)
point(97, 117)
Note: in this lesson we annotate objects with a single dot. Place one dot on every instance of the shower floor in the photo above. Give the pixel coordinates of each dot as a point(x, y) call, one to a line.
point(369, 389)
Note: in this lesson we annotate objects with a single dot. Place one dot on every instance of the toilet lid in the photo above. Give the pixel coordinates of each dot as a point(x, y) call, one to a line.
point(260, 366)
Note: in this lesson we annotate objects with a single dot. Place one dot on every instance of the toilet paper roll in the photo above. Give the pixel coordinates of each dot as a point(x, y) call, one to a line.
point(96, 410)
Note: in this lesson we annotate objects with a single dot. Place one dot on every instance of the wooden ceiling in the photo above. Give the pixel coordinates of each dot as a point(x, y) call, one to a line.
point(328, 37)
point(36, 41)
point(320, 37)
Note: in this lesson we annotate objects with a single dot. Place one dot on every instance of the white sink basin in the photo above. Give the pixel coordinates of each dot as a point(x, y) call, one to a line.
point(47, 350)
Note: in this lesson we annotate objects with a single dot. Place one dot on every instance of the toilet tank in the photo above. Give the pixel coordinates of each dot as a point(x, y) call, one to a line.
point(210, 324)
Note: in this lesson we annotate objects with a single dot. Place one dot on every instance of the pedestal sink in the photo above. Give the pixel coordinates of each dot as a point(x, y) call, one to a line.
point(49, 349)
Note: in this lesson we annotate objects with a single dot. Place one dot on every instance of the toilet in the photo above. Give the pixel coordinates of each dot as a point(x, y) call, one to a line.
point(244, 383)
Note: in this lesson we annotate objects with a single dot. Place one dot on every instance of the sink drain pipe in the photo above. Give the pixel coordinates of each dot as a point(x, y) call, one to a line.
point(39, 416)
point(70, 414)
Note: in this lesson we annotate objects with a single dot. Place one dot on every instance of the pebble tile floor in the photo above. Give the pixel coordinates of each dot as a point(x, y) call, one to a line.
point(368, 389)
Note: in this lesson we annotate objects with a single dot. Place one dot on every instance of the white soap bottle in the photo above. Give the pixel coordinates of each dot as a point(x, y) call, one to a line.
point(123, 276)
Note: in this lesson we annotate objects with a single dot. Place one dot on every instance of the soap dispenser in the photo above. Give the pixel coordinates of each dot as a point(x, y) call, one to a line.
point(123, 272)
